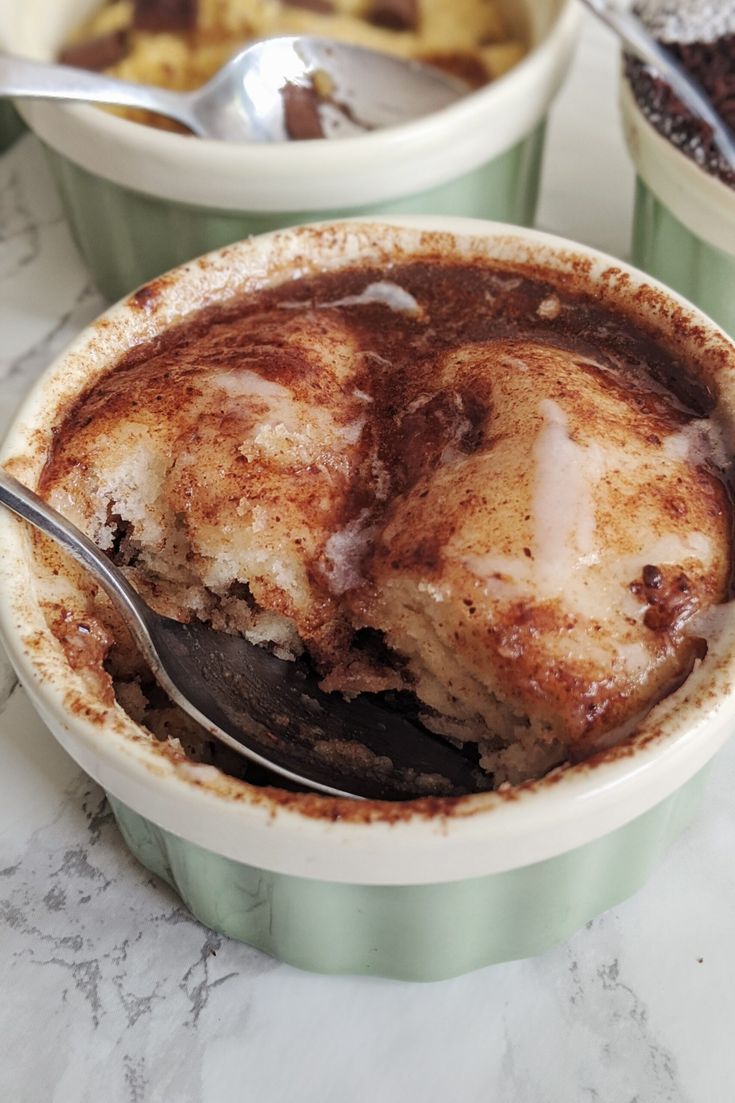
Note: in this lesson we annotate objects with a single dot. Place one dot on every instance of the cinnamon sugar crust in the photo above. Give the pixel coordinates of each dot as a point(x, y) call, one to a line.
point(454, 481)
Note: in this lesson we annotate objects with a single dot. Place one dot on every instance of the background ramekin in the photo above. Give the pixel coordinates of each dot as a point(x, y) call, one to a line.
point(684, 222)
point(11, 125)
point(141, 200)
point(423, 890)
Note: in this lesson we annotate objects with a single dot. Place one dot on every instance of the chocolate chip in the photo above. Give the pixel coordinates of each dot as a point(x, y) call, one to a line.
point(467, 67)
point(671, 605)
point(652, 577)
point(321, 7)
point(165, 15)
point(396, 15)
point(301, 112)
point(96, 53)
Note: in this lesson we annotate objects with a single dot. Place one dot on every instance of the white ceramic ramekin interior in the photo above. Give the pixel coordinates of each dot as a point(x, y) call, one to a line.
point(317, 836)
point(304, 176)
point(697, 199)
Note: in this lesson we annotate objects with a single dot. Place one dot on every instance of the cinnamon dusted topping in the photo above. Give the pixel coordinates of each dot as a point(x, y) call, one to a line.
point(505, 516)
point(86, 641)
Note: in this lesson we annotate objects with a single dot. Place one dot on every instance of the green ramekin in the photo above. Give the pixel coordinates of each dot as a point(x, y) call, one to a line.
point(127, 237)
point(411, 932)
point(140, 201)
point(684, 219)
point(421, 890)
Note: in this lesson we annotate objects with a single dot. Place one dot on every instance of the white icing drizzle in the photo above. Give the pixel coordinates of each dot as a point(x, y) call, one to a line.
point(418, 403)
point(438, 593)
point(352, 432)
point(567, 560)
point(249, 384)
point(563, 506)
point(344, 552)
point(377, 358)
point(384, 292)
point(514, 362)
point(698, 442)
point(549, 308)
point(712, 622)
point(280, 428)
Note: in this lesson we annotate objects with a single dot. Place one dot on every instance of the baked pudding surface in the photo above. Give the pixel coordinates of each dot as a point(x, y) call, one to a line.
point(181, 44)
point(459, 485)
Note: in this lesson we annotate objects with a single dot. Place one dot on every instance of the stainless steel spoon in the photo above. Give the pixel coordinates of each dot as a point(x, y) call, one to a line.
point(266, 709)
point(244, 101)
point(638, 39)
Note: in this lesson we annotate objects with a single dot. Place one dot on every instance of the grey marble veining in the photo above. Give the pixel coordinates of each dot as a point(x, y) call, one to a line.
point(110, 991)
point(46, 296)
point(134, 1000)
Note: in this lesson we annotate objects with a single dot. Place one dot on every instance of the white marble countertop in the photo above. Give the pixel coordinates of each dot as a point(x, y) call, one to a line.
point(109, 990)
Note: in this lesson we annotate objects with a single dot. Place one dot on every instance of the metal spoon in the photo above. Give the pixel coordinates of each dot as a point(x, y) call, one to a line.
point(244, 101)
point(638, 39)
point(268, 710)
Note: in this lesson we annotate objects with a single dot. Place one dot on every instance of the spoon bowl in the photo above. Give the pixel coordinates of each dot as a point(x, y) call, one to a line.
point(278, 89)
point(266, 709)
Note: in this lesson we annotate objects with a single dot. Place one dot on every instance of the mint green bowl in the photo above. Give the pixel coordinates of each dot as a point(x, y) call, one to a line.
point(127, 237)
point(140, 201)
point(420, 890)
point(421, 932)
point(684, 220)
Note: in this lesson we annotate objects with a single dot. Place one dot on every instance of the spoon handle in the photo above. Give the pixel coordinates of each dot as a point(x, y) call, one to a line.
point(635, 36)
point(28, 506)
point(22, 78)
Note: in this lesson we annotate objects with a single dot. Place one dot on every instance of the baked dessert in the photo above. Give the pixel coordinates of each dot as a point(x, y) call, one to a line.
point(493, 499)
point(701, 36)
point(180, 44)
